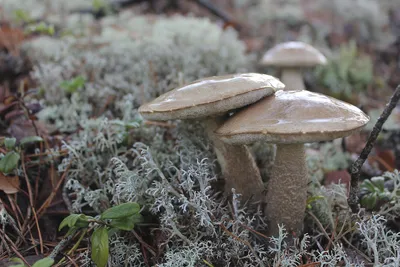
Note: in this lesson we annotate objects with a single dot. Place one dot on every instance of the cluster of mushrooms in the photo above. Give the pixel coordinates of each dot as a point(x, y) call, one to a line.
point(241, 109)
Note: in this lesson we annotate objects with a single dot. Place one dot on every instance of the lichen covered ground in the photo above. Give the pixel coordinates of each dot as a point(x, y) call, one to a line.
point(76, 82)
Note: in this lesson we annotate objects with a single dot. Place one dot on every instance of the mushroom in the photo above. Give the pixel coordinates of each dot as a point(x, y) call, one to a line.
point(211, 99)
point(292, 57)
point(289, 119)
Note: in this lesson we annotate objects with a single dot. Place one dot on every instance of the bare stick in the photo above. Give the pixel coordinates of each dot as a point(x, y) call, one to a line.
point(210, 6)
point(356, 167)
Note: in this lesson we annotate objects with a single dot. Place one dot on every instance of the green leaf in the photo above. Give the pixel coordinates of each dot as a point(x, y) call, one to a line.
point(369, 201)
point(45, 262)
point(82, 221)
point(77, 220)
point(368, 185)
point(73, 85)
point(31, 139)
point(379, 182)
point(207, 263)
point(128, 223)
point(10, 143)
point(68, 221)
point(99, 241)
point(9, 162)
point(121, 211)
point(314, 198)
point(22, 16)
point(98, 5)
point(40, 27)
point(125, 224)
point(71, 231)
point(16, 260)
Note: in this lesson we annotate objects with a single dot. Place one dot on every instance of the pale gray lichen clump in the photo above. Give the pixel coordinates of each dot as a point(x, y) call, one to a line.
point(117, 66)
point(40, 9)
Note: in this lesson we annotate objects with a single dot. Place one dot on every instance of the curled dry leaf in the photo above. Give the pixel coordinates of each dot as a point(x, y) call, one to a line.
point(21, 128)
point(9, 184)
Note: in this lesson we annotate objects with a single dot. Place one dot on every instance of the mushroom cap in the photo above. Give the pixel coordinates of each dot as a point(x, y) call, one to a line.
point(290, 117)
point(211, 96)
point(293, 54)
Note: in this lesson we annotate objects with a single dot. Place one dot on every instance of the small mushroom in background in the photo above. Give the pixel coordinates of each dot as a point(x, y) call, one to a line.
point(211, 99)
point(292, 57)
point(289, 119)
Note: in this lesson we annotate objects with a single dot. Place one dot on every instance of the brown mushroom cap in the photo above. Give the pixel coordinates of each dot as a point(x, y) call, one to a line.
point(293, 117)
point(293, 54)
point(211, 96)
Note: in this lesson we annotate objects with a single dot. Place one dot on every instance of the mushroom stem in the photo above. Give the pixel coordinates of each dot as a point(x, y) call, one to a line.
point(287, 189)
point(293, 79)
point(238, 167)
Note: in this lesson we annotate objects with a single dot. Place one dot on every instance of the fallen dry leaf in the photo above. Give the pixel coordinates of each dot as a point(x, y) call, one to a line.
point(388, 157)
point(11, 38)
point(22, 127)
point(9, 184)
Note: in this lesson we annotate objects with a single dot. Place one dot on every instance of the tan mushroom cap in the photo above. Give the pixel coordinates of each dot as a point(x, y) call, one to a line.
point(211, 96)
point(293, 54)
point(293, 117)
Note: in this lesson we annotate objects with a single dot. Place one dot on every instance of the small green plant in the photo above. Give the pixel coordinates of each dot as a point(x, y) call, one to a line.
point(22, 16)
point(121, 217)
point(99, 5)
point(380, 197)
point(41, 28)
point(9, 161)
point(377, 196)
point(374, 192)
point(312, 199)
point(347, 73)
point(72, 85)
point(45, 262)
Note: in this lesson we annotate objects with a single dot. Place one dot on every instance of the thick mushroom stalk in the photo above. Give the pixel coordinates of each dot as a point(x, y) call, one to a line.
point(293, 79)
point(289, 119)
point(238, 167)
point(287, 189)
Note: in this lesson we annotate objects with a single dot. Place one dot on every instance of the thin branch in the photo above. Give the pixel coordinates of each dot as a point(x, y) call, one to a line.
point(356, 167)
point(149, 248)
point(60, 246)
point(32, 204)
point(210, 6)
point(356, 249)
point(321, 227)
point(242, 241)
point(14, 247)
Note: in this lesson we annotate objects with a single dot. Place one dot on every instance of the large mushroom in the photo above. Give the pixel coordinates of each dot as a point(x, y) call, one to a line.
point(292, 57)
point(289, 119)
point(211, 99)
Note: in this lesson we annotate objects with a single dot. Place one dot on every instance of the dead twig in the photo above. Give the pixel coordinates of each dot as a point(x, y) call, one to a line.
point(144, 244)
point(32, 203)
point(13, 247)
point(60, 246)
point(355, 170)
point(321, 227)
point(48, 201)
point(356, 249)
point(242, 241)
point(210, 6)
